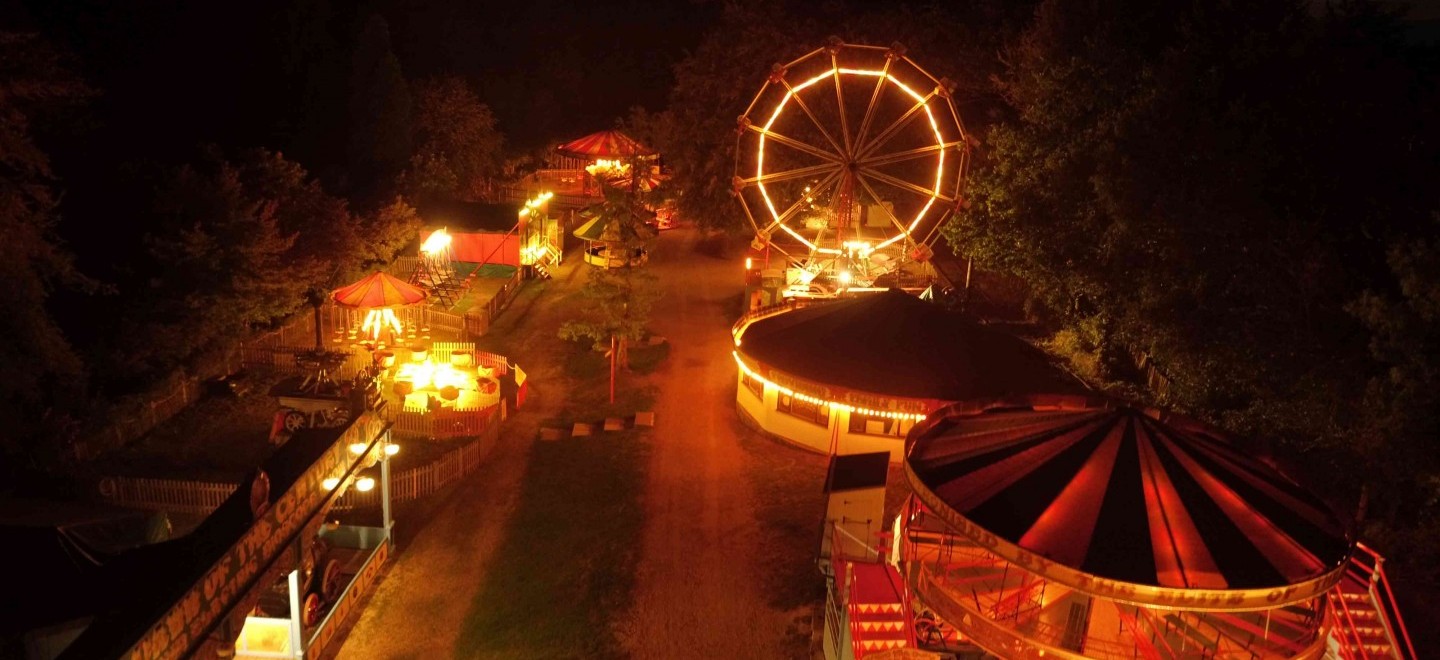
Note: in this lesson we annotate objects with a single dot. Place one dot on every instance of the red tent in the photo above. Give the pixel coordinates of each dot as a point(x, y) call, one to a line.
point(379, 290)
point(606, 144)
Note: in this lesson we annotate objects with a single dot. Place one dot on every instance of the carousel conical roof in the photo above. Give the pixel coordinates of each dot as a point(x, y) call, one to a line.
point(379, 289)
point(601, 228)
point(606, 144)
point(1115, 493)
point(896, 344)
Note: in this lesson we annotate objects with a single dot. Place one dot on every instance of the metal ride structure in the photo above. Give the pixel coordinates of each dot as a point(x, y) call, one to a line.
point(847, 162)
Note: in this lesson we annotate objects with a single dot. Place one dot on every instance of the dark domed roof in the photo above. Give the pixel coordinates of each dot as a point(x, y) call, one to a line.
point(896, 344)
point(1116, 493)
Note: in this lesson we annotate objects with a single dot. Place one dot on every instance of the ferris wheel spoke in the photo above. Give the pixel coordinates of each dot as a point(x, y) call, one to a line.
point(876, 196)
point(905, 185)
point(826, 183)
point(840, 102)
point(909, 154)
point(874, 103)
point(797, 173)
point(805, 107)
point(894, 127)
point(796, 144)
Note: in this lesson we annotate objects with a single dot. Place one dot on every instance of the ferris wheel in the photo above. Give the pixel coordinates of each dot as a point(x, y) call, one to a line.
point(848, 160)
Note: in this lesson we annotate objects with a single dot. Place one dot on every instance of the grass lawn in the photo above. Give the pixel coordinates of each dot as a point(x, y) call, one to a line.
point(217, 438)
point(567, 564)
point(566, 567)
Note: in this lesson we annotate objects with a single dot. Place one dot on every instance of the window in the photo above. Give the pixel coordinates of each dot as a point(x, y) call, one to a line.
point(810, 412)
point(876, 425)
point(755, 385)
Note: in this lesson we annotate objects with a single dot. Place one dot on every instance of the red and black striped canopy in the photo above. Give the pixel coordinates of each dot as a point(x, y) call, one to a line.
point(1116, 493)
point(605, 144)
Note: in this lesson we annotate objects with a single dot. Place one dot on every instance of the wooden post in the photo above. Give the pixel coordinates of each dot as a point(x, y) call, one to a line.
point(612, 368)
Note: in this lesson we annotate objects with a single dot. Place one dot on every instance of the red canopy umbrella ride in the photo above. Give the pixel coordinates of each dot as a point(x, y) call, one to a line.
point(606, 144)
point(380, 294)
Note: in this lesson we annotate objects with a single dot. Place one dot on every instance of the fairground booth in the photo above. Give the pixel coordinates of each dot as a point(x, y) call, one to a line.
point(268, 574)
point(460, 237)
point(853, 375)
point(1070, 527)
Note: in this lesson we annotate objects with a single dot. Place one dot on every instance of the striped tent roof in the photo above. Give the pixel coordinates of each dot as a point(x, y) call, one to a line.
point(605, 144)
point(378, 290)
point(1116, 493)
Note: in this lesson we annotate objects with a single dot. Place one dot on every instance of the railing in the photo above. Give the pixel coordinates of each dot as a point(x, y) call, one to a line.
point(787, 305)
point(202, 497)
point(440, 424)
point(166, 494)
point(1367, 569)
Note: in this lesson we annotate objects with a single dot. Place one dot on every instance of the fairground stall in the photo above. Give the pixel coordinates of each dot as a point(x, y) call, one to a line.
point(854, 375)
point(1070, 527)
point(460, 237)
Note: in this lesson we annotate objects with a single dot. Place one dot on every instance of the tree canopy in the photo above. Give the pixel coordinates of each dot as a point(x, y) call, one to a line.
point(457, 145)
point(43, 374)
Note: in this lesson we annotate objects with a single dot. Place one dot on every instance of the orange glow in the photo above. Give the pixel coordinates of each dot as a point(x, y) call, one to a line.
point(922, 101)
point(378, 320)
point(436, 242)
point(833, 405)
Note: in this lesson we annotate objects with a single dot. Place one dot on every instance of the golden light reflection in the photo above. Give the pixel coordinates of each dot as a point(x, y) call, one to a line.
point(379, 320)
point(436, 242)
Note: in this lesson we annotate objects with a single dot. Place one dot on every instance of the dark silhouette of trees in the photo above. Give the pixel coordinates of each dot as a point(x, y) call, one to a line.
point(44, 378)
point(457, 146)
point(236, 245)
point(380, 111)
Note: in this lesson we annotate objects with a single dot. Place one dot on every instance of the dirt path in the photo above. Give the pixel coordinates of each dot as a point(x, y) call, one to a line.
point(447, 545)
point(701, 589)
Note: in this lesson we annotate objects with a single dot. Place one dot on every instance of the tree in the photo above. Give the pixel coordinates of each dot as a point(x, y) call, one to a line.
point(380, 110)
point(388, 231)
point(1401, 448)
point(237, 246)
point(457, 145)
point(44, 378)
point(618, 299)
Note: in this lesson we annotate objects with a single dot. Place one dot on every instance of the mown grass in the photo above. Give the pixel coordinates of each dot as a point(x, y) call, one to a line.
point(567, 564)
point(566, 568)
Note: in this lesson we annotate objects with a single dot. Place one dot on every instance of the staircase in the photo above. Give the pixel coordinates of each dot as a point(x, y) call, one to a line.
point(1364, 621)
point(879, 616)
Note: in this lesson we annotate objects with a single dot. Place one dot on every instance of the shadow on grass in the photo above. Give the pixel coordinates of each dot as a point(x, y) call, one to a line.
point(567, 565)
point(646, 359)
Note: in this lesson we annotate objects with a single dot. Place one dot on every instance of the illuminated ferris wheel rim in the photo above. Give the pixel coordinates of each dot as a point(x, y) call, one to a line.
point(857, 155)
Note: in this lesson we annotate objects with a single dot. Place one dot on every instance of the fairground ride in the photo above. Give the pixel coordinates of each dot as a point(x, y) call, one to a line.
point(847, 162)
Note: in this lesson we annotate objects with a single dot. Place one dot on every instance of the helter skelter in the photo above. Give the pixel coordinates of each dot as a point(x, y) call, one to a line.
point(848, 160)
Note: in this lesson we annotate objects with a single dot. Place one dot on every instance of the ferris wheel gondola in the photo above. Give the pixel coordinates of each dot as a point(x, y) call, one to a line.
point(848, 160)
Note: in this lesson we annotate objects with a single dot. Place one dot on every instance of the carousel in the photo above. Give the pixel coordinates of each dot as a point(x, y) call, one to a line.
point(854, 375)
point(1072, 527)
point(612, 243)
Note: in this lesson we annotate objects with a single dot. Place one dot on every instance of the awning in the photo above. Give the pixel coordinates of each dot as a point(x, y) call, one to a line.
point(379, 290)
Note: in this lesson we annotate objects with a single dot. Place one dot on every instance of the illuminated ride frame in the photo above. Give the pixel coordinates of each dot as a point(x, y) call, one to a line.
point(847, 162)
point(1068, 527)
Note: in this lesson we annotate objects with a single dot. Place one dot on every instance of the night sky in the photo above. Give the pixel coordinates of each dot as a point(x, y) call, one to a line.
point(175, 75)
